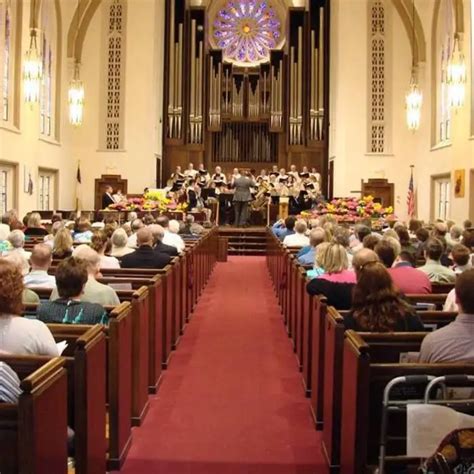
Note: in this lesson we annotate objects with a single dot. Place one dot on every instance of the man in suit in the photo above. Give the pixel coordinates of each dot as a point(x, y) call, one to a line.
point(242, 197)
point(145, 256)
point(107, 197)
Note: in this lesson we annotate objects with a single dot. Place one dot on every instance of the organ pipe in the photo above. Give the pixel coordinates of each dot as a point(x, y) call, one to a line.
point(321, 76)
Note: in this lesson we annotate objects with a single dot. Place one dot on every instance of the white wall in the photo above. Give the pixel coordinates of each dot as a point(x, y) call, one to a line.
point(349, 112)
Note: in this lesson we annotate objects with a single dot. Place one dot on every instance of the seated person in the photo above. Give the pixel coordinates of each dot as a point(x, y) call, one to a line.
point(337, 284)
point(158, 233)
point(299, 238)
point(34, 227)
point(453, 343)
point(282, 228)
point(145, 256)
point(318, 268)
point(371, 240)
point(361, 231)
point(171, 236)
point(62, 244)
point(94, 292)
point(132, 239)
point(119, 242)
point(17, 242)
point(461, 257)
point(377, 305)
point(407, 280)
point(82, 231)
point(316, 236)
point(71, 278)
point(437, 273)
point(191, 228)
point(20, 335)
point(99, 243)
point(40, 260)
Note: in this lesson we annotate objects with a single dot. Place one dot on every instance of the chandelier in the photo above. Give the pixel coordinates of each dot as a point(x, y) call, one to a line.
point(414, 97)
point(413, 103)
point(76, 98)
point(32, 70)
point(456, 75)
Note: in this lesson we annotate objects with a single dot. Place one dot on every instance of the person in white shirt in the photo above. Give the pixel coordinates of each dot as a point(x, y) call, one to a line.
point(40, 260)
point(18, 335)
point(191, 172)
point(132, 240)
point(299, 238)
point(171, 236)
point(94, 292)
point(17, 241)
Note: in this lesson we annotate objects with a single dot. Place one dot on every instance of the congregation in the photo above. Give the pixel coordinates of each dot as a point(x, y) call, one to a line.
point(368, 273)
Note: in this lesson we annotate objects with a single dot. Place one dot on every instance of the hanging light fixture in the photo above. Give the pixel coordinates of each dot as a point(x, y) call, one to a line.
point(32, 70)
point(414, 97)
point(456, 75)
point(76, 98)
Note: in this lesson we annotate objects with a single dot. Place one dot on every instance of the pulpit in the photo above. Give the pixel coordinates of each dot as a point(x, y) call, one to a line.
point(114, 180)
point(381, 190)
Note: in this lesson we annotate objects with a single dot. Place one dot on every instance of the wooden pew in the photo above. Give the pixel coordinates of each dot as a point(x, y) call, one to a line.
point(332, 378)
point(436, 299)
point(85, 358)
point(119, 382)
point(33, 432)
point(369, 363)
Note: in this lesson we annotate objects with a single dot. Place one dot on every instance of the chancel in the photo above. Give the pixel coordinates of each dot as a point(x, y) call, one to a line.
point(236, 236)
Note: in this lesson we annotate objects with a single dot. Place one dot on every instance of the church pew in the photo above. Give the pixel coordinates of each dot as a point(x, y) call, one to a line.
point(119, 382)
point(441, 288)
point(317, 354)
point(436, 299)
point(368, 365)
point(85, 358)
point(332, 378)
point(33, 432)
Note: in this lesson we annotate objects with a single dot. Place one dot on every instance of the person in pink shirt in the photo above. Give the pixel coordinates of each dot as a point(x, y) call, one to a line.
point(336, 265)
point(407, 279)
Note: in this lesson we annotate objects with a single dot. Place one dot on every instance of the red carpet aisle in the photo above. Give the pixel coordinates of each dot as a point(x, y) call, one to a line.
point(231, 401)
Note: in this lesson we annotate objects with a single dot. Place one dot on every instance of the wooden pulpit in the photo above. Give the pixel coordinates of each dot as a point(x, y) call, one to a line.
point(381, 190)
point(114, 180)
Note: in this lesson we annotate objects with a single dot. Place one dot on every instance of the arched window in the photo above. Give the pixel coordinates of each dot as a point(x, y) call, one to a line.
point(10, 34)
point(49, 56)
point(112, 136)
point(378, 119)
point(444, 44)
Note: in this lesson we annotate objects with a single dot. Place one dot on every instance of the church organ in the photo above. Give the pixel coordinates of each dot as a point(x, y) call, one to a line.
point(254, 100)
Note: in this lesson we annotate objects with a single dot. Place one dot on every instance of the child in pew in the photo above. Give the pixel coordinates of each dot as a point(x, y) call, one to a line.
point(71, 277)
point(18, 335)
point(377, 305)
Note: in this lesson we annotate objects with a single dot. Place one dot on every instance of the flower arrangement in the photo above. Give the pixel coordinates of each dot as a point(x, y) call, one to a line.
point(352, 209)
point(155, 200)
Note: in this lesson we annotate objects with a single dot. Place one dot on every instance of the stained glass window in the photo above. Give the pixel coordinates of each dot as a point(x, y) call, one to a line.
point(246, 30)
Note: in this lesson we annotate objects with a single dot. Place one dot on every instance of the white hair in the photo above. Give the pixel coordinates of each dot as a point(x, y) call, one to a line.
point(157, 231)
point(173, 226)
point(16, 238)
point(119, 238)
point(89, 255)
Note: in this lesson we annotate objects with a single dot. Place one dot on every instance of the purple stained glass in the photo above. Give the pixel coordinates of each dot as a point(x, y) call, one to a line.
point(246, 30)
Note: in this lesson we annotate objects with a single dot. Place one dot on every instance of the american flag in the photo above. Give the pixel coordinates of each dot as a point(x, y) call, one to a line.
point(411, 197)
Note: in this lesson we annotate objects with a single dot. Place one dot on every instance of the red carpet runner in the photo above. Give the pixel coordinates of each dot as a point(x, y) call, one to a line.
point(231, 401)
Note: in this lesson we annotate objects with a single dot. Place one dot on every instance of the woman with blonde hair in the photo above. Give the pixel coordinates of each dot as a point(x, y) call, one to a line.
point(34, 227)
point(318, 268)
point(82, 230)
point(119, 242)
point(62, 247)
point(336, 264)
point(100, 243)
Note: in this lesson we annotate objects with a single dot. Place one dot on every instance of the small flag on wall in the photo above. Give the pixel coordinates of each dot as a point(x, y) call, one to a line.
point(411, 195)
point(30, 185)
point(78, 188)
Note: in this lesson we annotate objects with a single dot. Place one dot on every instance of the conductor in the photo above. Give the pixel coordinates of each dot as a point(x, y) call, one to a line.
point(242, 197)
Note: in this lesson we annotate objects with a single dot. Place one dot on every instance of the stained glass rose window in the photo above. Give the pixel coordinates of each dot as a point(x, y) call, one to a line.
point(246, 30)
